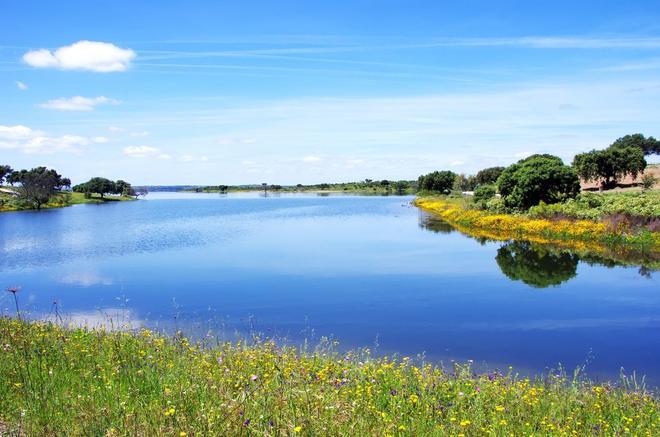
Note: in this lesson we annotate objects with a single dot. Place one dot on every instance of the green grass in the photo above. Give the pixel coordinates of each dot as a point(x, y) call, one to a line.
point(56, 381)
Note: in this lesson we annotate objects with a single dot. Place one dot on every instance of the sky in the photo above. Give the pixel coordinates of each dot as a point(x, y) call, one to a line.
point(287, 92)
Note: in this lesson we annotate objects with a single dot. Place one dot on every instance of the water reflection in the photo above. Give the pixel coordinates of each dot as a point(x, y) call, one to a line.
point(538, 265)
point(535, 265)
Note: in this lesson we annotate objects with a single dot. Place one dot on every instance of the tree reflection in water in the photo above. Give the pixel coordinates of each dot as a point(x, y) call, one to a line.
point(536, 265)
point(540, 265)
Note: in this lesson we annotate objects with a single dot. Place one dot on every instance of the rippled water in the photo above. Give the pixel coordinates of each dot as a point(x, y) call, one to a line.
point(370, 271)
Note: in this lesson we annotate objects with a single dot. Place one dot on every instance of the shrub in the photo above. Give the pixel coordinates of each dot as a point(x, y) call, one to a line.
point(482, 194)
point(538, 178)
point(648, 181)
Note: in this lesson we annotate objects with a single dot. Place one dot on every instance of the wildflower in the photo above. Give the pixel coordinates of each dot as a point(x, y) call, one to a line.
point(247, 422)
point(465, 423)
point(169, 412)
point(297, 428)
point(499, 408)
point(254, 377)
point(183, 434)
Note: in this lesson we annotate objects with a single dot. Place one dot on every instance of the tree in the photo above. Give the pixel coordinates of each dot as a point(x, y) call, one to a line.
point(438, 181)
point(39, 184)
point(123, 188)
point(5, 171)
point(401, 186)
point(464, 183)
point(488, 175)
point(97, 185)
point(538, 178)
point(610, 165)
point(535, 265)
point(649, 146)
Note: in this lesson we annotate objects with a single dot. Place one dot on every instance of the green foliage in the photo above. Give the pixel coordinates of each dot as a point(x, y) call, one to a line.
point(38, 185)
point(610, 165)
point(464, 183)
point(488, 175)
point(5, 171)
point(438, 181)
point(535, 265)
point(482, 194)
point(596, 206)
point(649, 146)
point(103, 186)
point(648, 181)
point(134, 382)
point(538, 178)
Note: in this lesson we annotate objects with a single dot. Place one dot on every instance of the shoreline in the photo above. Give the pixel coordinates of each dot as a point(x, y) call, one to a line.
point(73, 199)
point(580, 235)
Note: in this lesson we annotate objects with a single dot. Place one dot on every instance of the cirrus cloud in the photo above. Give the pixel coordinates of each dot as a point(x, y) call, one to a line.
point(100, 57)
point(77, 103)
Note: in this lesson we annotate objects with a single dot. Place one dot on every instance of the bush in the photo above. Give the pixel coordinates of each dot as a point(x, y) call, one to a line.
point(539, 178)
point(648, 181)
point(482, 194)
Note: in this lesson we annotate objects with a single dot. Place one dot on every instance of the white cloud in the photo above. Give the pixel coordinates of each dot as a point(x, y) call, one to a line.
point(115, 129)
point(145, 152)
point(29, 140)
point(78, 103)
point(100, 140)
point(191, 158)
point(21, 86)
point(311, 159)
point(95, 56)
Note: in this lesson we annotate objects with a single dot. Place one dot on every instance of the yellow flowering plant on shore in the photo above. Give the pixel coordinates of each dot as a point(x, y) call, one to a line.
point(580, 234)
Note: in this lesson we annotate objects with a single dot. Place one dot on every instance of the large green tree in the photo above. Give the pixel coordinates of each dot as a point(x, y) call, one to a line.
point(610, 165)
point(38, 185)
point(101, 186)
point(538, 178)
point(438, 181)
point(649, 146)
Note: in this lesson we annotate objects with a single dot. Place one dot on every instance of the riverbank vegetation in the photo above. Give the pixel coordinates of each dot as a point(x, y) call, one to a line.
point(539, 199)
point(43, 188)
point(77, 381)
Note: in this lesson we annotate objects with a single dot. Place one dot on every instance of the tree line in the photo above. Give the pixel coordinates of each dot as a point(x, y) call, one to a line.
point(545, 178)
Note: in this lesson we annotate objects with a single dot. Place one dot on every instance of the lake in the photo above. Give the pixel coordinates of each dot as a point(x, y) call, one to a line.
point(369, 271)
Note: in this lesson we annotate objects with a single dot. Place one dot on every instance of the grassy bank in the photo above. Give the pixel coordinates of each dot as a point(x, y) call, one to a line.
point(59, 381)
point(592, 235)
point(61, 200)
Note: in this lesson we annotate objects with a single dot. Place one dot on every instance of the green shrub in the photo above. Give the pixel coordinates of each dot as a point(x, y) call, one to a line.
point(482, 194)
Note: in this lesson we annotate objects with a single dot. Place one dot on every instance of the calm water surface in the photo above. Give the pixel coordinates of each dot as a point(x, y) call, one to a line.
point(370, 271)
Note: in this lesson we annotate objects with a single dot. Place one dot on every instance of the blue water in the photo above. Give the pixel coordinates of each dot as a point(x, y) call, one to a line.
point(369, 271)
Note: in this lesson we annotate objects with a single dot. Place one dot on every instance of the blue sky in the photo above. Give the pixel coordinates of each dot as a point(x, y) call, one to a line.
point(219, 92)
